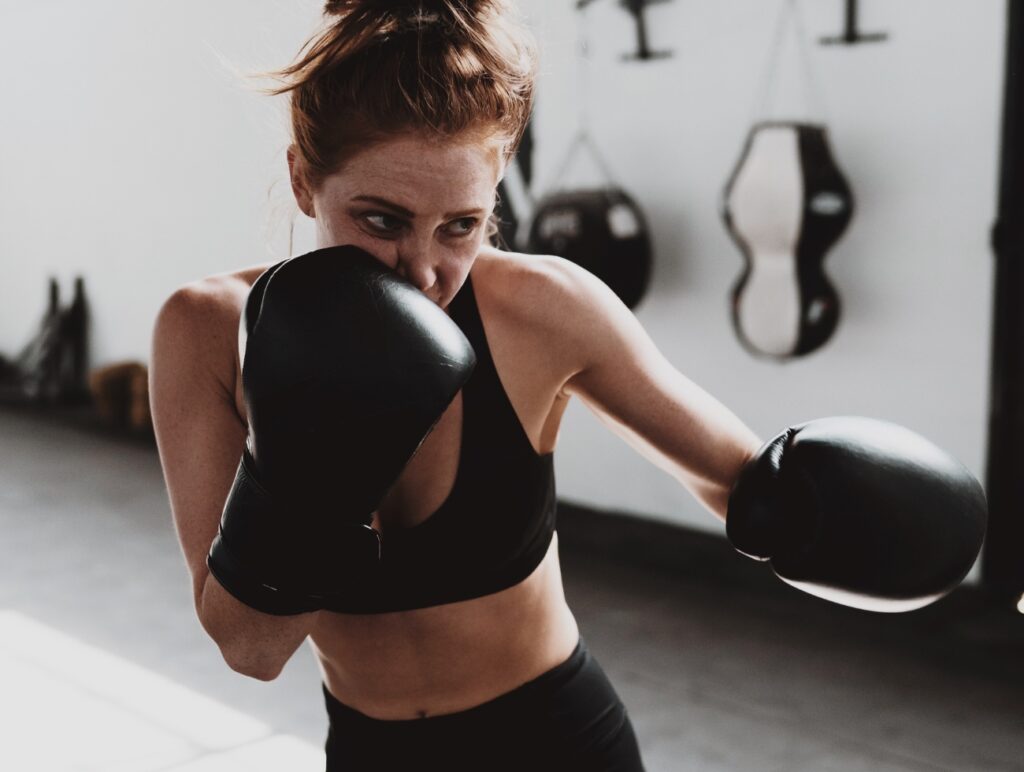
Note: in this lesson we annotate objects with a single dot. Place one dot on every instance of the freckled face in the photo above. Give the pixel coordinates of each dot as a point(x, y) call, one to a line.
point(418, 205)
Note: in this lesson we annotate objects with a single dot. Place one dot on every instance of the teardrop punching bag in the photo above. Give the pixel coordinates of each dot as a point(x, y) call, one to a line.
point(785, 205)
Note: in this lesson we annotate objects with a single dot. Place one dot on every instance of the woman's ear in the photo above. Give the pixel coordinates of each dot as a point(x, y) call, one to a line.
point(300, 186)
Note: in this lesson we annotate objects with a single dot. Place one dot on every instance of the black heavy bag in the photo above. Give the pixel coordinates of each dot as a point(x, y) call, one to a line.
point(602, 230)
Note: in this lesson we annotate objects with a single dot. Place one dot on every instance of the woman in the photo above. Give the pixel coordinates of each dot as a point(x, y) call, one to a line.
point(404, 117)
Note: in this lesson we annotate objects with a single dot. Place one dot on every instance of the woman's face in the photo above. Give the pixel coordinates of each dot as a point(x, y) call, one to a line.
point(418, 205)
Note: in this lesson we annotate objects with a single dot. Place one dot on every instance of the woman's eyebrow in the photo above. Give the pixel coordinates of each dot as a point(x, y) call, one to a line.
point(386, 204)
point(406, 213)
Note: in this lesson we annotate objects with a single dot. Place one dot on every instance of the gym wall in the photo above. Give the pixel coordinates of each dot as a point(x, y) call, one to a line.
point(131, 154)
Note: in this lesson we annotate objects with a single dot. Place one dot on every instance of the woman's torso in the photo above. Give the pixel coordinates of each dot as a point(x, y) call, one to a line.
point(450, 657)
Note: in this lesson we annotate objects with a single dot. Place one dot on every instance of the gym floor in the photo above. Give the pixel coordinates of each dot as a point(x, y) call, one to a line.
point(105, 667)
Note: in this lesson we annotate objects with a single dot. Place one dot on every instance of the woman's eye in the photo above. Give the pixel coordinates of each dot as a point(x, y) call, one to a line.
point(383, 222)
point(463, 226)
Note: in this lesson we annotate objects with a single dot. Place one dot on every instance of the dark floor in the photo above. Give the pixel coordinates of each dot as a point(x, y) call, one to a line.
point(105, 667)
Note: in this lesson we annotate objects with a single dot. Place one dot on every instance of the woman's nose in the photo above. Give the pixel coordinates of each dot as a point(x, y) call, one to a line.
point(417, 269)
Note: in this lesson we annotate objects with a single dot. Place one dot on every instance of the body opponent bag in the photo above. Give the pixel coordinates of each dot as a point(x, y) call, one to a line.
point(785, 205)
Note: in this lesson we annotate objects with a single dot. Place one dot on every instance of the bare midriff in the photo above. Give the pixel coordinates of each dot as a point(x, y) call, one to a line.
point(448, 658)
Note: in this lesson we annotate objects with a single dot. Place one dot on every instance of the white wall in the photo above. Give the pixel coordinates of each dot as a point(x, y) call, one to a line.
point(129, 153)
point(914, 124)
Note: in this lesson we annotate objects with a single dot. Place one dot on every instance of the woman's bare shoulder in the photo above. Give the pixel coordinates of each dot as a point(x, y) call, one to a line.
point(211, 299)
point(529, 283)
point(542, 289)
point(201, 318)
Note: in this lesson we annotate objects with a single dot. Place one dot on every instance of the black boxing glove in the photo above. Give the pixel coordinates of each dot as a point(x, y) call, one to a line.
point(346, 368)
point(860, 512)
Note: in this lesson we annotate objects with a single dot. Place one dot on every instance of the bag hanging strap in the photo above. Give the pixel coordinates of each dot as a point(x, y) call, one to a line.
point(789, 20)
point(582, 141)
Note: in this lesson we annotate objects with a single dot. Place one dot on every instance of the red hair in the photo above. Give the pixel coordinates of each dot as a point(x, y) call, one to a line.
point(379, 68)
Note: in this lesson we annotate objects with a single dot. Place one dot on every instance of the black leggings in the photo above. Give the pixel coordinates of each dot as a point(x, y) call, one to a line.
point(569, 718)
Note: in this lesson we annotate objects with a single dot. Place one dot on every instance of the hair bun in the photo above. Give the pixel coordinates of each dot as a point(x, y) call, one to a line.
point(345, 7)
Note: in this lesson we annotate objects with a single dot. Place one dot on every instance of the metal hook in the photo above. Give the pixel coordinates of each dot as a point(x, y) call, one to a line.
point(851, 35)
point(636, 9)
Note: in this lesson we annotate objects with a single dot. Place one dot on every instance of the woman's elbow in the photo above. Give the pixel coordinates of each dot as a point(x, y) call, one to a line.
point(245, 657)
point(243, 646)
point(253, 666)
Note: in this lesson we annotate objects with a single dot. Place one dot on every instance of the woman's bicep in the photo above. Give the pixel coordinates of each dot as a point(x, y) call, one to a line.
point(630, 385)
point(199, 433)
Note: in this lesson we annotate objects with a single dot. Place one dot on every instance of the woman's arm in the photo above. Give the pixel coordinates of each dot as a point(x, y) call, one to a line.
point(200, 437)
point(621, 376)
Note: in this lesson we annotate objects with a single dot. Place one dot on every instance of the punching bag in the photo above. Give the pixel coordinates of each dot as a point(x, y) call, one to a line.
point(597, 226)
point(602, 230)
point(785, 205)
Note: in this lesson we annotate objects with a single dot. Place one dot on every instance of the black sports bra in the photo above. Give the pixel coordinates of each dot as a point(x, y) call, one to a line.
point(495, 526)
